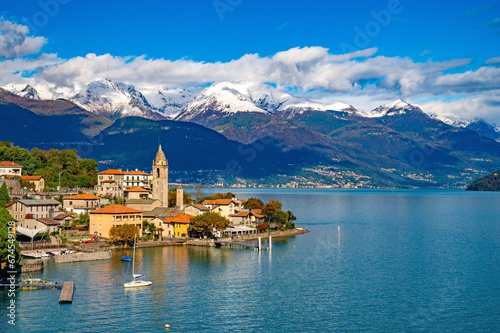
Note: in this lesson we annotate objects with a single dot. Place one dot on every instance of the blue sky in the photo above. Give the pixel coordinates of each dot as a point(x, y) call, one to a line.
point(405, 47)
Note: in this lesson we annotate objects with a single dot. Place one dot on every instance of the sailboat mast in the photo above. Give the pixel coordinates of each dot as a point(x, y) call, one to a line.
point(133, 259)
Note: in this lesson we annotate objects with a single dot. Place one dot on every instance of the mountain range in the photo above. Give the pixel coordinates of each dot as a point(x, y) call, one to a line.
point(268, 136)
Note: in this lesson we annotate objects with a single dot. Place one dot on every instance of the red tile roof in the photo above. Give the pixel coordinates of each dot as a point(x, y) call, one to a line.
point(136, 173)
point(223, 202)
point(181, 218)
point(116, 209)
point(201, 207)
point(136, 189)
point(83, 196)
point(47, 221)
point(108, 181)
point(61, 216)
point(246, 213)
point(31, 177)
point(111, 172)
point(9, 164)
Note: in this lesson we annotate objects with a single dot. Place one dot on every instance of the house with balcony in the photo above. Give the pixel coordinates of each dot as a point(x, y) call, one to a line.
point(110, 183)
point(225, 207)
point(136, 179)
point(103, 219)
point(81, 203)
point(246, 217)
point(8, 168)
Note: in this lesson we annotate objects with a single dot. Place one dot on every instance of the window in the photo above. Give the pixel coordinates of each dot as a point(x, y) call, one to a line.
point(93, 226)
point(34, 227)
point(20, 217)
point(71, 203)
point(21, 225)
point(99, 226)
point(16, 217)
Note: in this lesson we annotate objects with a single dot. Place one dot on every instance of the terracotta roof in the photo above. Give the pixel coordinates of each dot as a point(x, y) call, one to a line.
point(136, 173)
point(201, 207)
point(45, 202)
point(9, 164)
point(136, 189)
point(223, 202)
point(108, 181)
point(245, 213)
point(31, 177)
point(180, 218)
point(111, 172)
point(83, 196)
point(48, 221)
point(116, 209)
point(61, 216)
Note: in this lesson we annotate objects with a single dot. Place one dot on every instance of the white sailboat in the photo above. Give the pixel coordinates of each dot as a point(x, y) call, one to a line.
point(137, 280)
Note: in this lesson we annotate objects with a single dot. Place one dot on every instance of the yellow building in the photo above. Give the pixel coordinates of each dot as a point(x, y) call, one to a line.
point(37, 183)
point(103, 219)
point(180, 223)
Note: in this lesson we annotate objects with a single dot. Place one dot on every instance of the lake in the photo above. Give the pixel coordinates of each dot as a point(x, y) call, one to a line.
point(405, 261)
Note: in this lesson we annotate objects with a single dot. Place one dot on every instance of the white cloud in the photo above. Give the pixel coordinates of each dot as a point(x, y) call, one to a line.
point(14, 42)
point(359, 77)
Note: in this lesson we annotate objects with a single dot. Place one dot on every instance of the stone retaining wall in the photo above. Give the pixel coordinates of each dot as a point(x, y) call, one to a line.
point(83, 256)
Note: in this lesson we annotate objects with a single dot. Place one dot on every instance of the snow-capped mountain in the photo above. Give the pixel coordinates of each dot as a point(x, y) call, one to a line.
point(226, 98)
point(169, 101)
point(25, 91)
point(114, 100)
point(391, 109)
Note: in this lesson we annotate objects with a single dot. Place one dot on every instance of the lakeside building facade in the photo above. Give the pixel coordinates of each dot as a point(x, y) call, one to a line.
point(103, 219)
point(81, 203)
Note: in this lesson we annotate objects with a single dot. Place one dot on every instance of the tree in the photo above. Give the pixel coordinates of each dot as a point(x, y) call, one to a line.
point(271, 207)
point(198, 192)
point(123, 234)
point(149, 229)
point(280, 217)
point(84, 219)
point(262, 227)
point(4, 195)
point(172, 198)
point(9, 247)
point(254, 203)
point(207, 222)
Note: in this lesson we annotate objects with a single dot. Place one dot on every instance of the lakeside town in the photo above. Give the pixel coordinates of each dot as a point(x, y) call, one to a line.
point(125, 204)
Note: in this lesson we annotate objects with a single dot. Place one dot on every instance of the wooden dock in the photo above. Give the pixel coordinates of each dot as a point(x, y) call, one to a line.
point(67, 292)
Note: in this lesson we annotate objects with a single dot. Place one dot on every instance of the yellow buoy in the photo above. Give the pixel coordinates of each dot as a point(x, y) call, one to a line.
point(167, 326)
point(294, 246)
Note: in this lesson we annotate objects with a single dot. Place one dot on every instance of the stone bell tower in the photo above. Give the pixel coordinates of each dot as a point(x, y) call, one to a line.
point(160, 177)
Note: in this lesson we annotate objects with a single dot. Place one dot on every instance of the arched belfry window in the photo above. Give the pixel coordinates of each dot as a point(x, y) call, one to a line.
point(157, 172)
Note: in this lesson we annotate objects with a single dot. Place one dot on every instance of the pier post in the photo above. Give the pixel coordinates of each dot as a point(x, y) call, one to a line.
point(260, 243)
point(270, 242)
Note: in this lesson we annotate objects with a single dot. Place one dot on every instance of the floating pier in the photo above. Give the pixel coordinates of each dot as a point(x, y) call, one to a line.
point(67, 292)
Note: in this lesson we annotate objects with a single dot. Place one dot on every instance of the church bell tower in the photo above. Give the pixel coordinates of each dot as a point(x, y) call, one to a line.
point(160, 177)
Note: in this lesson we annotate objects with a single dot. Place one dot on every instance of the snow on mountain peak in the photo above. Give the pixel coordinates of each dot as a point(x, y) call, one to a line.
point(391, 109)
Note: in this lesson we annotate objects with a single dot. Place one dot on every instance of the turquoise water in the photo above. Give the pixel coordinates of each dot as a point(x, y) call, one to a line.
point(406, 261)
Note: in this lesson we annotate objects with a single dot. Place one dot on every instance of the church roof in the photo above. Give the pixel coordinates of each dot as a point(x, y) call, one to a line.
point(160, 155)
